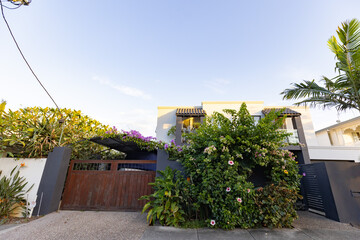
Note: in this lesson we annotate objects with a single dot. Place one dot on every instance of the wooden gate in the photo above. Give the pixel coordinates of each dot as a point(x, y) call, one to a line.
point(107, 185)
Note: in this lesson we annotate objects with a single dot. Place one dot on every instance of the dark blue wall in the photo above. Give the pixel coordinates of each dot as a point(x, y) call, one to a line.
point(163, 161)
point(52, 181)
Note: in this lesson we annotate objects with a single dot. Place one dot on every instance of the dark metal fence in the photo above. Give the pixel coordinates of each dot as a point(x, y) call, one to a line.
point(333, 188)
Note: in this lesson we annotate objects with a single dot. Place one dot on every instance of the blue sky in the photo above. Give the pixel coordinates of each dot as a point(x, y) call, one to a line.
point(116, 61)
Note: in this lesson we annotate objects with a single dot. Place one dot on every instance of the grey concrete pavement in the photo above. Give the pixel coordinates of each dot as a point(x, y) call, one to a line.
point(309, 226)
point(132, 225)
point(8, 226)
point(80, 225)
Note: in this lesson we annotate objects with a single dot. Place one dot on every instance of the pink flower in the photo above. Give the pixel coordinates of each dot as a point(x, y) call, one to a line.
point(212, 222)
point(231, 162)
point(304, 174)
point(248, 190)
point(239, 200)
point(228, 189)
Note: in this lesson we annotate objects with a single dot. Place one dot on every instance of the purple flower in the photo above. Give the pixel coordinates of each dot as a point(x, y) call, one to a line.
point(166, 146)
point(304, 174)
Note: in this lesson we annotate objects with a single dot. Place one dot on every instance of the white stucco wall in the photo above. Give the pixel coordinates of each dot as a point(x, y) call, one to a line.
point(334, 153)
point(323, 139)
point(165, 120)
point(32, 172)
point(254, 107)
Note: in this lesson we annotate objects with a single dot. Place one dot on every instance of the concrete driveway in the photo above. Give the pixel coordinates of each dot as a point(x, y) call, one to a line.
point(132, 225)
point(80, 225)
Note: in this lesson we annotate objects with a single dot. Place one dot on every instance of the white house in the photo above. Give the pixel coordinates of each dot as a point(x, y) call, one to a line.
point(185, 118)
point(342, 145)
point(340, 141)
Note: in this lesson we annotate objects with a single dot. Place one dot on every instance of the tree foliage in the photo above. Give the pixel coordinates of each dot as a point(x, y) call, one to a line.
point(220, 160)
point(342, 91)
point(34, 132)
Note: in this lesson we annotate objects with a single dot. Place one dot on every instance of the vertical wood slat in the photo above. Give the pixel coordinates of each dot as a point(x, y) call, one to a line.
point(106, 190)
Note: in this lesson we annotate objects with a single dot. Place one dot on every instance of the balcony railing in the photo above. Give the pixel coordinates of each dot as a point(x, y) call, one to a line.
point(293, 138)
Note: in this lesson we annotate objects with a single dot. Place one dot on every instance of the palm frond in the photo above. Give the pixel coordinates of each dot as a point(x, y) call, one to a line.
point(305, 89)
point(342, 91)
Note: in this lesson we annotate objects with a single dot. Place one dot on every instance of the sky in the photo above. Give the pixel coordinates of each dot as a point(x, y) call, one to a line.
point(116, 61)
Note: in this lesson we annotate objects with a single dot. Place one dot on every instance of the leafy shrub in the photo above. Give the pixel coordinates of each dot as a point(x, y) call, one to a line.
point(34, 132)
point(165, 204)
point(276, 205)
point(12, 193)
point(220, 159)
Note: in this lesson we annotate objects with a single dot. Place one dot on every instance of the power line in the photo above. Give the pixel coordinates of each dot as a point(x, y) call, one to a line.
point(61, 121)
point(17, 45)
point(11, 8)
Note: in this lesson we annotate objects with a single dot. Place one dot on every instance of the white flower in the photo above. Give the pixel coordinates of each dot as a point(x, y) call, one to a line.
point(212, 222)
point(231, 162)
point(239, 200)
point(228, 189)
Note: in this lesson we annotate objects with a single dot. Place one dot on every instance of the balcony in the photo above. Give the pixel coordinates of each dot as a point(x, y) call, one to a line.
point(293, 138)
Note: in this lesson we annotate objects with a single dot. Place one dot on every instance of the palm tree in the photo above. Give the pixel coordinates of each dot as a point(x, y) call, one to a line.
point(342, 91)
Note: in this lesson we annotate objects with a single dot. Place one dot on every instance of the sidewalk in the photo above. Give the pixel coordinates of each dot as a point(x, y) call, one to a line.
point(308, 226)
point(132, 225)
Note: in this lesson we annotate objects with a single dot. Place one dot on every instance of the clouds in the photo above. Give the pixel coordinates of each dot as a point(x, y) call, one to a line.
point(130, 91)
point(217, 85)
point(142, 120)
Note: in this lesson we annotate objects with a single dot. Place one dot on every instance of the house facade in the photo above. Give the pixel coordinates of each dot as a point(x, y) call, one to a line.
point(173, 120)
point(340, 141)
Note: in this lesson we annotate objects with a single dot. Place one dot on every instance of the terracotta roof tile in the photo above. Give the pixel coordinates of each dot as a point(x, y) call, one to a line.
point(287, 111)
point(194, 112)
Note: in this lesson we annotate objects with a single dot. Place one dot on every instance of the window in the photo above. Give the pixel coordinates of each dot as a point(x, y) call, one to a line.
point(256, 118)
point(190, 124)
point(356, 136)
